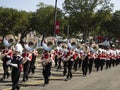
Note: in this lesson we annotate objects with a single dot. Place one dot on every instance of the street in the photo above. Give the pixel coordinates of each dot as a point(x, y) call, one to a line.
point(102, 80)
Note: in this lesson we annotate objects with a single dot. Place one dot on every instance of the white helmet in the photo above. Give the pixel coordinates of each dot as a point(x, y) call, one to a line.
point(19, 48)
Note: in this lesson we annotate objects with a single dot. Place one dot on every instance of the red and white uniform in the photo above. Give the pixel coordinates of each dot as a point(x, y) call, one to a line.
point(102, 56)
point(64, 57)
point(90, 54)
point(46, 58)
point(7, 52)
point(75, 55)
point(60, 53)
point(70, 56)
point(27, 56)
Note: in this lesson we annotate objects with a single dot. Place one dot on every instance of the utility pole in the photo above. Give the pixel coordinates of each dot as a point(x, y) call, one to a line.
point(68, 32)
point(55, 15)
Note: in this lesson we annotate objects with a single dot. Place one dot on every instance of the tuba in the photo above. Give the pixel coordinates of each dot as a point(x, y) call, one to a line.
point(49, 43)
point(72, 43)
point(63, 46)
point(9, 40)
point(94, 47)
point(85, 48)
point(78, 47)
point(31, 43)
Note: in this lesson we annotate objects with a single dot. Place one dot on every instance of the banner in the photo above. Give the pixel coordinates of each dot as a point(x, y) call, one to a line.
point(57, 27)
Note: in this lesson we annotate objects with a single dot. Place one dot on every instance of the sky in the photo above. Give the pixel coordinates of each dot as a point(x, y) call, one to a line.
point(31, 5)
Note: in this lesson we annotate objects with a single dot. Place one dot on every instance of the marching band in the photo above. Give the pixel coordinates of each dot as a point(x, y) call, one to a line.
point(66, 55)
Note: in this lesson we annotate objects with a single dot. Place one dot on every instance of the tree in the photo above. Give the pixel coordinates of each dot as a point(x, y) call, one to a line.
point(14, 22)
point(43, 19)
point(113, 26)
point(7, 20)
point(86, 15)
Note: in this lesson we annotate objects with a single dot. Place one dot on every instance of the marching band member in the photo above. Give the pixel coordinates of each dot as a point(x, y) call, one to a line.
point(6, 55)
point(64, 58)
point(91, 60)
point(85, 63)
point(60, 54)
point(80, 59)
point(15, 63)
point(98, 59)
point(75, 57)
point(46, 60)
point(95, 56)
point(102, 59)
point(70, 64)
point(108, 59)
point(27, 55)
point(56, 57)
point(32, 63)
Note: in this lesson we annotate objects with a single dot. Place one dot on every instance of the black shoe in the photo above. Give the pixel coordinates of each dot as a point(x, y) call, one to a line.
point(13, 89)
point(18, 88)
point(8, 76)
point(66, 79)
point(2, 79)
point(45, 84)
point(22, 81)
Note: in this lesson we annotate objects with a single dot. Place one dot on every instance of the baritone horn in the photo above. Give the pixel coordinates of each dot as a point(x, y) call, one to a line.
point(9, 40)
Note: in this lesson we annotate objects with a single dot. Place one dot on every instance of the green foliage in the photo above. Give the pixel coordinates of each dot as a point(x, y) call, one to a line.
point(90, 17)
point(43, 19)
point(13, 21)
point(113, 26)
point(86, 16)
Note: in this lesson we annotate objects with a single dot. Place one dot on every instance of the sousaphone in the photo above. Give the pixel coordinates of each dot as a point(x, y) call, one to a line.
point(31, 43)
point(72, 43)
point(9, 40)
point(63, 46)
point(95, 47)
point(84, 48)
point(49, 43)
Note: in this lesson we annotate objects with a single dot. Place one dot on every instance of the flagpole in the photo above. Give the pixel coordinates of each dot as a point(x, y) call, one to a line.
point(55, 15)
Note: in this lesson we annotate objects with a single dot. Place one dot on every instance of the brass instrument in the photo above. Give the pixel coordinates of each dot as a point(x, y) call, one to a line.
point(63, 46)
point(49, 43)
point(9, 40)
point(85, 48)
point(72, 43)
point(95, 47)
point(31, 43)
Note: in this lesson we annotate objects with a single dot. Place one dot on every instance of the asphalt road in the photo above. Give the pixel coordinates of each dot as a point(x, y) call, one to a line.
point(102, 80)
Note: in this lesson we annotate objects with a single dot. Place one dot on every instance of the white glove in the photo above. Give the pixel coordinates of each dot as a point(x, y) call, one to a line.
point(8, 62)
